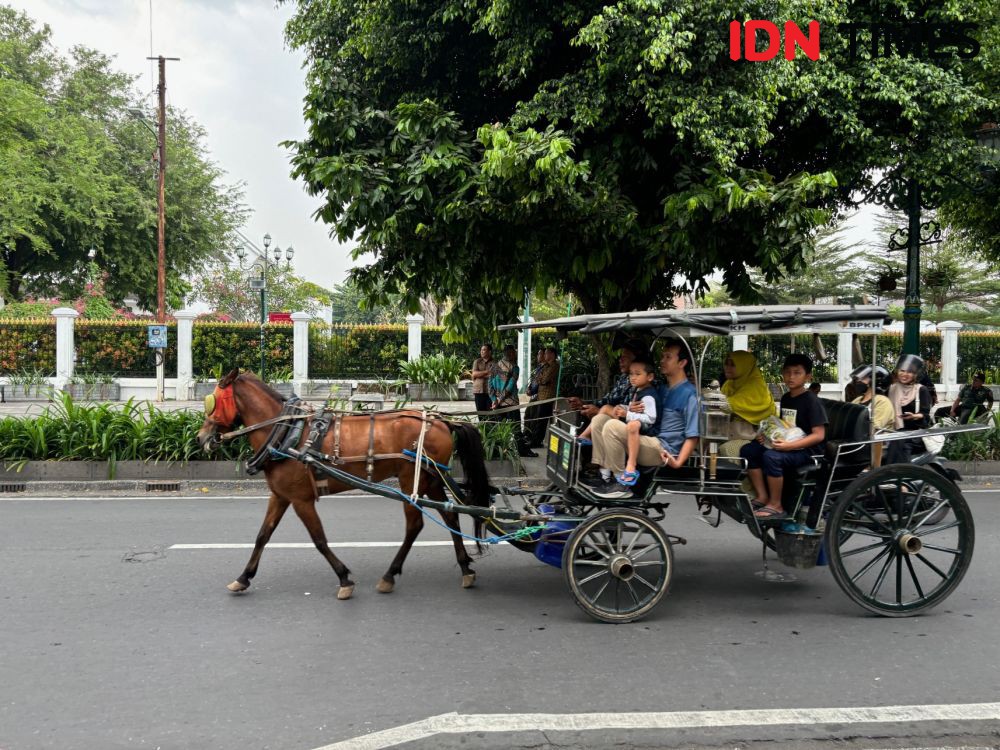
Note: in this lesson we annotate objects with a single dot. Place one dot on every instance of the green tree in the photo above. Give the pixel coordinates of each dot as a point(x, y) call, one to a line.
point(225, 289)
point(834, 271)
point(611, 151)
point(348, 304)
point(77, 173)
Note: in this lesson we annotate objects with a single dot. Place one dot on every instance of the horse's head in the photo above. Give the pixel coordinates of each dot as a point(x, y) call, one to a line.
point(221, 413)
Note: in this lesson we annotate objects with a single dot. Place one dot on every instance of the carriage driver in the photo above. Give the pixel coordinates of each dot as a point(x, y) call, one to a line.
point(678, 426)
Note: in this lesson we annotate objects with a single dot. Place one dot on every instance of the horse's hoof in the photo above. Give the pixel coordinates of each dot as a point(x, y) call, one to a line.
point(468, 580)
point(345, 592)
point(384, 587)
point(236, 587)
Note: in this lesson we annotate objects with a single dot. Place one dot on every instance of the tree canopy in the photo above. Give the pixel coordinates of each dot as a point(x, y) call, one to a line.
point(78, 173)
point(613, 151)
point(224, 288)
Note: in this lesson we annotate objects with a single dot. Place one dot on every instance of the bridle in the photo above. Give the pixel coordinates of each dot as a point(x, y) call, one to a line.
point(220, 406)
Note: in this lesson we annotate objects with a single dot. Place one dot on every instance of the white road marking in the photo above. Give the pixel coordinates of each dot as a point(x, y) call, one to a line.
point(308, 545)
point(454, 723)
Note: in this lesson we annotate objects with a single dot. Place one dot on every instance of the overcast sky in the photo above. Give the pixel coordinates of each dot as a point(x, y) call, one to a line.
point(237, 79)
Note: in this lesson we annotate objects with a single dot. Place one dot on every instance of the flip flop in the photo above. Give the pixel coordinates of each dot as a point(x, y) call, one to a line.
point(628, 478)
point(757, 504)
point(769, 514)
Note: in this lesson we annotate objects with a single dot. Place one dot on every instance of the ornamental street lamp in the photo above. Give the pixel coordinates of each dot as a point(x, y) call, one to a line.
point(901, 193)
point(260, 266)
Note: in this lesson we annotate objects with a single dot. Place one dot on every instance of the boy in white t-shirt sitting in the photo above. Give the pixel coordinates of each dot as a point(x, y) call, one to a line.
point(641, 375)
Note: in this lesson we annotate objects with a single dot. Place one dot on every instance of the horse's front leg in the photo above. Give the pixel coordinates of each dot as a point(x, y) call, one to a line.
point(451, 519)
point(414, 525)
point(305, 508)
point(276, 508)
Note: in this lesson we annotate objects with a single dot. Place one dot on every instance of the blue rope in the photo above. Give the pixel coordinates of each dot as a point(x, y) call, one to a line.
point(413, 455)
point(472, 538)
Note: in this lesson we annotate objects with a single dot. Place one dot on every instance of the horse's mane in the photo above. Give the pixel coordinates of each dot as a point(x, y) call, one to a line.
point(251, 378)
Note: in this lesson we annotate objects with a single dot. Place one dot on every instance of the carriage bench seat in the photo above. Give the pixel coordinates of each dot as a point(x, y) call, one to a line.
point(847, 423)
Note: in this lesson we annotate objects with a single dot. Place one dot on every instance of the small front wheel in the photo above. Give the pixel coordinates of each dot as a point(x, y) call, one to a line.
point(618, 565)
point(900, 539)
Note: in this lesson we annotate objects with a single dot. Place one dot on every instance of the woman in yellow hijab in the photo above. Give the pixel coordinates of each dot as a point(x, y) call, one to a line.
point(745, 389)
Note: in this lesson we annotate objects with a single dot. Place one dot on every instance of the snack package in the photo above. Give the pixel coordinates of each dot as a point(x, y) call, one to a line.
point(774, 428)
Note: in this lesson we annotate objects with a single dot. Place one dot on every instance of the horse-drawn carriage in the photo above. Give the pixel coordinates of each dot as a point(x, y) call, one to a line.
point(898, 538)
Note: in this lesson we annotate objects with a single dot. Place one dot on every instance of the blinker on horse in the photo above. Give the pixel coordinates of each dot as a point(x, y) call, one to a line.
point(368, 446)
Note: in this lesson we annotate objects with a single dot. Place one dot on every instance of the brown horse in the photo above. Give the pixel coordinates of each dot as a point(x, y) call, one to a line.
point(243, 398)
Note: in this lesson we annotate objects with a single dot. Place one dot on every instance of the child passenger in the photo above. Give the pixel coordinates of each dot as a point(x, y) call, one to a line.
point(641, 375)
point(802, 408)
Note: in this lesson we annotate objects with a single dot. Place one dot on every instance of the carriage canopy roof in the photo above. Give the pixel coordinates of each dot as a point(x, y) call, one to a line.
point(725, 321)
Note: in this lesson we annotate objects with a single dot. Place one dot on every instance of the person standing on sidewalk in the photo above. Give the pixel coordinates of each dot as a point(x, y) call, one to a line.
point(481, 370)
point(537, 416)
point(504, 395)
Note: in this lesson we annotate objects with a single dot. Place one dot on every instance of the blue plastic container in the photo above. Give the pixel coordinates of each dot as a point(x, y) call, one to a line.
point(552, 539)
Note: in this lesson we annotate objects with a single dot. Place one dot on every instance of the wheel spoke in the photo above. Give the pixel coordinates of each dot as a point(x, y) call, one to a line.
point(880, 494)
point(949, 550)
point(645, 582)
point(631, 591)
point(618, 540)
point(936, 529)
point(881, 577)
point(932, 566)
point(899, 580)
point(859, 550)
point(643, 551)
point(913, 576)
point(594, 563)
point(607, 541)
point(916, 502)
point(869, 564)
point(635, 538)
point(592, 546)
point(864, 531)
point(600, 591)
point(932, 512)
point(874, 520)
point(592, 576)
point(647, 563)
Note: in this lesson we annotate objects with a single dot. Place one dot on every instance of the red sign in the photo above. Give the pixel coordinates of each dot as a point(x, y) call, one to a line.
point(279, 317)
point(793, 38)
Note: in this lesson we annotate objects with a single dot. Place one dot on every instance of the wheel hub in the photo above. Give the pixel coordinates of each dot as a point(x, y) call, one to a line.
point(621, 567)
point(909, 544)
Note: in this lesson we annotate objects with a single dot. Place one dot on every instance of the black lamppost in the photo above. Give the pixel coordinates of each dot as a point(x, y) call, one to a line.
point(902, 193)
point(261, 265)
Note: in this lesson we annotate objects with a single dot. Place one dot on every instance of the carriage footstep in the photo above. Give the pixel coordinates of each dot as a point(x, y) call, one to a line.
point(468, 580)
point(384, 587)
point(345, 592)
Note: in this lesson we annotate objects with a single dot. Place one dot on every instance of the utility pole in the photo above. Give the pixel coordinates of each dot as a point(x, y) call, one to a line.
point(161, 240)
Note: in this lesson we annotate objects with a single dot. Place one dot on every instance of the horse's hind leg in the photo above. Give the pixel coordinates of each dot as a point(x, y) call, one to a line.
point(276, 508)
point(306, 510)
point(414, 524)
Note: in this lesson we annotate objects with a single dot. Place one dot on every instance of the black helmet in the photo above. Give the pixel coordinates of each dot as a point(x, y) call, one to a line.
point(881, 378)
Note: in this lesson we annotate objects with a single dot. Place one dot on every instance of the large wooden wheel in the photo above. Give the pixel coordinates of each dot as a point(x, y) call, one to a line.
point(618, 565)
point(900, 539)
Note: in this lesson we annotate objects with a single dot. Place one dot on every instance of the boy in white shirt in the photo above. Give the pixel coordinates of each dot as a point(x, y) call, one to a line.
point(641, 375)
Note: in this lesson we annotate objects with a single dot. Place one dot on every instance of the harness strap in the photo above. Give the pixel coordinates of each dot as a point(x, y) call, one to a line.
point(266, 423)
point(336, 438)
point(415, 492)
point(371, 447)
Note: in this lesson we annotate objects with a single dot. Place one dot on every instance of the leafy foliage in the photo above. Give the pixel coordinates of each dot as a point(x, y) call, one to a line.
point(69, 431)
point(608, 150)
point(433, 369)
point(225, 290)
point(76, 173)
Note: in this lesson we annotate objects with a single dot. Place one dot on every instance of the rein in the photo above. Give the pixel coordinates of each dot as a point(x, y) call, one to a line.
point(266, 423)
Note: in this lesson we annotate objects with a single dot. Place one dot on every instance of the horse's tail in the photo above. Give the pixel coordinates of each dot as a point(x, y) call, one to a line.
point(469, 446)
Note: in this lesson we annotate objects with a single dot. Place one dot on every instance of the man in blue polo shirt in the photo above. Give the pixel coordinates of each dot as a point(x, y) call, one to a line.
point(678, 426)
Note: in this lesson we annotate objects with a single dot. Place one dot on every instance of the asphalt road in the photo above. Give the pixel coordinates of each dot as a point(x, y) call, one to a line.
point(111, 638)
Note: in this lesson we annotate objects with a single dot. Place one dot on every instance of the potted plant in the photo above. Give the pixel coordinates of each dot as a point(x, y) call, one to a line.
point(27, 385)
point(93, 386)
point(281, 381)
point(433, 377)
point(204, 384)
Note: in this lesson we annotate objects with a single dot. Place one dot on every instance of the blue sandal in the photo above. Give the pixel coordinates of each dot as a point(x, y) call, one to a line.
point(628, 478)
point(585, 441)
